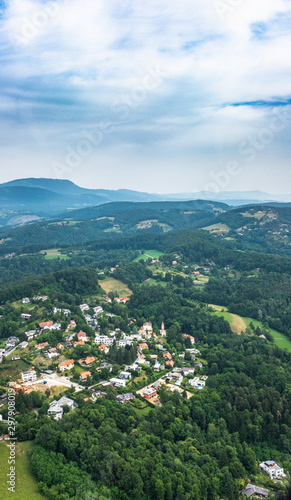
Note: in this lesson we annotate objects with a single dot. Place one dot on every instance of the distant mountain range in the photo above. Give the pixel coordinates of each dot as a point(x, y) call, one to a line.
point(49, 197)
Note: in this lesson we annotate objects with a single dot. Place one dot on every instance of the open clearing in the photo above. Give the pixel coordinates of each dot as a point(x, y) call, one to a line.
point(217, 228)
point(113, 285)
point(279, 338)
point(26, 484)
point(54, 253)
point(149, 254)
point(239, 324)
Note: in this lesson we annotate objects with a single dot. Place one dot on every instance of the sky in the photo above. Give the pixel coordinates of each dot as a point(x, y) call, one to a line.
point(157, 96)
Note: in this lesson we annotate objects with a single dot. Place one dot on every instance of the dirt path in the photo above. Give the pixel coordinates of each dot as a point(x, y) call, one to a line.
point(238, 325)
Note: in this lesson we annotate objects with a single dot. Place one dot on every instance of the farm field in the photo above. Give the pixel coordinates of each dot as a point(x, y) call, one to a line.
point(113, 285)
point(26, 485)
point(149, 254)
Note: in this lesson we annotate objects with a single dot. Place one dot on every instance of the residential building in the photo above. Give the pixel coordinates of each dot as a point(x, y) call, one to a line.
point(30, 334)
point(88, 361)
point(84, 307)
point(29, 376)
point(25, 300)
point(82, 336)
point(26, 316)
point(56, 407)
point(84, 375)
point(125, 375)
point(67, 364)
point(103, 348)
point(42, 345)
point(23, 345)
point(273, 469)
point(98, 310)
point(106, 365)
point(149, 393)
point(46, 324)
point(124, 398)
point(118, 382)
point(103, 339)
point(252, 490)
point(51, 353)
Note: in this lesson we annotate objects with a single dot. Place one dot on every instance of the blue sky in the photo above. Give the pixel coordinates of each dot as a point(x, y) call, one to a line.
point(158, 96)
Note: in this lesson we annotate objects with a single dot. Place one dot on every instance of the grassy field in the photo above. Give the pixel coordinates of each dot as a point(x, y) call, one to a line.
point(113, 285)
point(26, 485)
point(144, 410)
point(239, 324)
point(54, 253)
point(217, 228)
point(279, 339)
point(149, 254)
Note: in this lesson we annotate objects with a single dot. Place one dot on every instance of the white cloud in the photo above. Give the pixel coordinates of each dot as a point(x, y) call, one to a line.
point(74, 60)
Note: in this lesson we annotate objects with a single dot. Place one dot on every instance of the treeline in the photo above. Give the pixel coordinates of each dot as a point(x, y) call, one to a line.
point(73, 281)
point(266, 297)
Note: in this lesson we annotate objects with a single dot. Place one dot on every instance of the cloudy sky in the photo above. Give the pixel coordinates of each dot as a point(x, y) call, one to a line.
point(160, 96)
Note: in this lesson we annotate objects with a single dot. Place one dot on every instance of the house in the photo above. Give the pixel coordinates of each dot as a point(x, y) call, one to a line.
point(188, 371)
point(103, 348)
point(148, 327)
point(192, 339)
point(106, 365)
point(56, 407)
point(84, 307)
point(170, 363)
point(15, 358)
point(167, 355)
point(80, 342)
point(60, 346)
point(142, 346)
point(124, 398)
point(193, 382)
point(46, 324)
point(108, 300)
point(30, 334)
point(98, 310)
point(25, 300)
point(95, 395)
point(26, 316)
point(82, 336)
point(67, 364)
point(251, 490)
point(84, 375)
point(29, 376)
point(88, 361)
point(23, 345)
point(118, 382)
point(42, 346)
point(273, 469)
point(103, 339)
point(149, 393)
point(72, 324)
point(51, 353)
point(125, 375)
point(157, 367)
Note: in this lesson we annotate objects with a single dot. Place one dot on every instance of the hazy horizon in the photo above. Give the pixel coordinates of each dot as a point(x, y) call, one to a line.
point(156, 97)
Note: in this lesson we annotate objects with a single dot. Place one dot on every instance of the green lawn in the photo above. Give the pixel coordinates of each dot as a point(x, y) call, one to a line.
point(142, 411)
point(279, 339)
point(26, 485)
point(149, 254)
